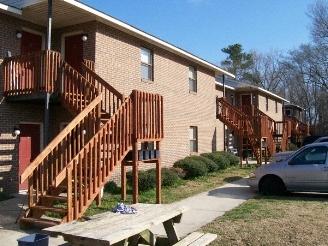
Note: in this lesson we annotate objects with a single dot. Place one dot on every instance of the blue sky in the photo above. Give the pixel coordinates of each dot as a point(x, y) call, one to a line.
point(204, 27)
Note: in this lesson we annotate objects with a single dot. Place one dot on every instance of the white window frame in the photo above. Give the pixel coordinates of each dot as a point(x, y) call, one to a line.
point(193, 137)
point(146, 62)
point(192, 74)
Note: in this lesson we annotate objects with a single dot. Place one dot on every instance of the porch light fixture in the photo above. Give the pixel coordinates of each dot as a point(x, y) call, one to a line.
point(16, 131)
point(85, 37)
point(19, 34)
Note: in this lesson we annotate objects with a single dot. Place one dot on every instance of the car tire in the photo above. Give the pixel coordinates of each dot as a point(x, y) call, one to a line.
point(272, 186)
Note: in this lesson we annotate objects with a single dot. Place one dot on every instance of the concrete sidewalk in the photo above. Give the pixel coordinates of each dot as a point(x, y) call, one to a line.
point(205, 207)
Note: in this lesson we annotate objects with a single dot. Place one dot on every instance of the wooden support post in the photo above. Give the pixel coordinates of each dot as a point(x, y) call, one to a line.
point(158, 177)
point(135, 165)
point(123, 180)
point(260, 141)
point(69, 192)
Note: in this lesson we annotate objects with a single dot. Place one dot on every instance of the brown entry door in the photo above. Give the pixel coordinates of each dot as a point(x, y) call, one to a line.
point(31, 131)
point(74, 51)
point(245, 100)
point(30, 43)
point(24, 158)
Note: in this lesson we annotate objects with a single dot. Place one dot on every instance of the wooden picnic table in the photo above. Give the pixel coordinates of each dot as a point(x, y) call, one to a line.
point(111, 228)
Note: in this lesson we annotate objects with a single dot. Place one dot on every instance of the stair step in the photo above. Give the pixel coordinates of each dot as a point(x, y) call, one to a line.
point(60, 187)
point(38, 222)
point(50, 209)
point(57, 198)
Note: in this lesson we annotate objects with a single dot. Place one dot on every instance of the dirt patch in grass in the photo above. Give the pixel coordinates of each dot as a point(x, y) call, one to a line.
point(297, 219)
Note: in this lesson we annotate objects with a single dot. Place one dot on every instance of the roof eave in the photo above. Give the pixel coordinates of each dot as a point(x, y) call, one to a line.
point(10, 9)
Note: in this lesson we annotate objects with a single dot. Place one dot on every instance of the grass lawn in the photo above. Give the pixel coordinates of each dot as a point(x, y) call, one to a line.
point(112, 194)
point(295, 219)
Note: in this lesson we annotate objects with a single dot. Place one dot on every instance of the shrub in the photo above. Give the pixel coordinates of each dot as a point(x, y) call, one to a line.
point(221, 161)
point(234, 160)
point(147, 179)
point(179, 171)
point(192, 167)
point(214, 157)
point(169, 177)
point(293, 147)
point(211, 165)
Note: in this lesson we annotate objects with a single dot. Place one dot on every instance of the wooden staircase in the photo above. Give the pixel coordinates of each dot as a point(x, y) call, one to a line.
point(72, 169)
point(299, 130)
point(255, 128)
point(244, 126)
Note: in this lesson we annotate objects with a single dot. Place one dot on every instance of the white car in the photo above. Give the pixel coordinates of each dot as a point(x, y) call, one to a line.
point(233, 151)
point(304, 170)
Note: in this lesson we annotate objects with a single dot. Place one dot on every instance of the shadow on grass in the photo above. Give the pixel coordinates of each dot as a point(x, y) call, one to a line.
point(232, 179)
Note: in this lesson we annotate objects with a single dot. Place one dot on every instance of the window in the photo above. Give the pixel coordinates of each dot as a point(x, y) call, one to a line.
point(146, 64)
point(267, 103)
point(288, 112)
point(192, 79)
point(193, 139)
point(276, 107)
point(311, 155)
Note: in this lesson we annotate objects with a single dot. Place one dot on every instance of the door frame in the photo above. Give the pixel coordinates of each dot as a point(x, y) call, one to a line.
point(41, 131)
point(63, 36)
point(43, 35)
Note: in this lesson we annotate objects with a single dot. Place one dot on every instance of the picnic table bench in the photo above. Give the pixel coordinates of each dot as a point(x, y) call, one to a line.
point(117, 229)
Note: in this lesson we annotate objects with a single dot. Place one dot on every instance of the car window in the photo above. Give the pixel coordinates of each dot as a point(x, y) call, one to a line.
point(323, 140)
point(312, 155)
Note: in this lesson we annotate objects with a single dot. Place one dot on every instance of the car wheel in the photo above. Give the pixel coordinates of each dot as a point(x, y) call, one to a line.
point(272, 186)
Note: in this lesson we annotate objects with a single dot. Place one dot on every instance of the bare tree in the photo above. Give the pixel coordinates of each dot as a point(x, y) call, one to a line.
point(318, 13)
point(265, 71)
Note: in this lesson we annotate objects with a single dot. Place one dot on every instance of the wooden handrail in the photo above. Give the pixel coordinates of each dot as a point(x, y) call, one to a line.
point(112, 97)
point(58, 139)
point(106, 149)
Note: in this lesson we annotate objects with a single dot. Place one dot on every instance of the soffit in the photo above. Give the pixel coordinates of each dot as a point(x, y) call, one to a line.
point(63, 13)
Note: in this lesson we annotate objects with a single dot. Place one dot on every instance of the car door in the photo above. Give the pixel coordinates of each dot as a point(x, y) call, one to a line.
point(308, 171)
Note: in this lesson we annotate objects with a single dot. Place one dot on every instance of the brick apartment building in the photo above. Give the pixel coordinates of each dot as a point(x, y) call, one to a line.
point(127, 59)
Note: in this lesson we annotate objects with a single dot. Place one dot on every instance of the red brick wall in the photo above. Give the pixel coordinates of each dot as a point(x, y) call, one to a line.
point(117, 58)
point(118, 62)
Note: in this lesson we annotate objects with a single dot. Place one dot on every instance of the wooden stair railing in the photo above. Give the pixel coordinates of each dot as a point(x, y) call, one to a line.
point(32, 73)
point(91, 168)
point(246, 127)
point(112, 99)
point(77, 95)
point(299, 129)
point(80, 160)
point(267, 129)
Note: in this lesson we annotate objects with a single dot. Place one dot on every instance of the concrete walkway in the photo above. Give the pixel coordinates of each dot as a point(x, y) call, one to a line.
point(205, 207)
